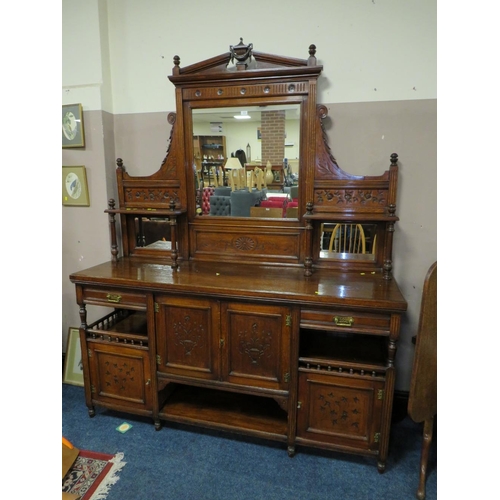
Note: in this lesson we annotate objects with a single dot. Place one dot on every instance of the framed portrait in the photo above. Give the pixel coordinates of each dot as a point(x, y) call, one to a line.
point(75, 191)
point(73, 132)
point(73, 367)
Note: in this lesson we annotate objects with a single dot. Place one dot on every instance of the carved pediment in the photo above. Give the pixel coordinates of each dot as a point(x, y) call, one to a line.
point(243, 62)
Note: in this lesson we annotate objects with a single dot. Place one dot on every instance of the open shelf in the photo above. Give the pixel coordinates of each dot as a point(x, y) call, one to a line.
point(121, 326)
point(229, 411)
point(349, 348)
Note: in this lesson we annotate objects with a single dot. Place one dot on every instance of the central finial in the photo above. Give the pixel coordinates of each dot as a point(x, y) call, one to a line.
point(242, 53)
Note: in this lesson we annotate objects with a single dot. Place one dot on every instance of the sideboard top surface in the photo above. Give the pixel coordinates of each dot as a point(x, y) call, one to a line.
point(228, 280)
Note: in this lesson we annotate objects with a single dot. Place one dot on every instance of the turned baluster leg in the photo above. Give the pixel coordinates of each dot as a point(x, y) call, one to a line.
point(387, 266)
point(112, 230)
point(309, 234)
point(85, 358)
point(173, 237)
point(424, 457)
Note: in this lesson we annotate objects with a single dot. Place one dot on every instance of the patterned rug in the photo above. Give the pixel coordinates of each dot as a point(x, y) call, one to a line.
point(93, 474)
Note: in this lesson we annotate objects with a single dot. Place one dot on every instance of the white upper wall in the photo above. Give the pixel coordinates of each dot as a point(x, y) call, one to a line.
point(371, 50)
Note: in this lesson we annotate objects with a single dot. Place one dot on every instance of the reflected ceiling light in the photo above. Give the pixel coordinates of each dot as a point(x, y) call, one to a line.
point(243, 116)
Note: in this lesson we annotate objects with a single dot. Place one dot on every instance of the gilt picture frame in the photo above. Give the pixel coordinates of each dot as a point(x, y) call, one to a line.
point(75, 191)
point(73, 367)
point(73, 130)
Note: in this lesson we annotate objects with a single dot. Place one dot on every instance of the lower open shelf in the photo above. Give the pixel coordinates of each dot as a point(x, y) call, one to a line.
point(242, 413)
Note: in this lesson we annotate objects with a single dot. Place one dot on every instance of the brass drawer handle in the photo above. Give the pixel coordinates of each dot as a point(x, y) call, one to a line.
point(113, 298)
point(343, 320)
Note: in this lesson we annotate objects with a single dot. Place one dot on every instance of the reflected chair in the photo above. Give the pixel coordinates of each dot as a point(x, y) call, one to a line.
point(222, 191)
point(348, 238)
point(220, 205)
point(326, 234)
point(241, 202)
point(205, 199)
point(422, 402)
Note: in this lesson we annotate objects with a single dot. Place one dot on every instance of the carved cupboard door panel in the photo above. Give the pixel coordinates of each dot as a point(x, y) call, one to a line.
point(120, 375)
point(340, 410)
point(188, 336)
point(256, 340)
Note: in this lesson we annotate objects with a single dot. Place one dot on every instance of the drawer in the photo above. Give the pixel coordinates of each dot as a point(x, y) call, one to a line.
point(115, 297)
point(345, 320)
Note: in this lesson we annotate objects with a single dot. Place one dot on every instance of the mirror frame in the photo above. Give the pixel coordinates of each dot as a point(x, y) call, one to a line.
point(255, 79)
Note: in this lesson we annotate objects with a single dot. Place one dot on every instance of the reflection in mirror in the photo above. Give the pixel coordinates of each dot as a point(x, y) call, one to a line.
point(346, 241)
point(246, 158)
point(153, 232)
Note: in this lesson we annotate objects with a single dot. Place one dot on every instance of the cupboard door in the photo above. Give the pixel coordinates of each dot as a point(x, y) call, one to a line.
point(256, 341)
point(188, 336)
point(120, 375)
point(343, 411)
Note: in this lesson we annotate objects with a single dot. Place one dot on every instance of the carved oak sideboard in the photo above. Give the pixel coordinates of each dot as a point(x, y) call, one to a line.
point(250, 325)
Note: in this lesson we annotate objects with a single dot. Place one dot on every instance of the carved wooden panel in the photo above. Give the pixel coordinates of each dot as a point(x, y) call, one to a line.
point(187, 336)
point(257, 339)
point(340, 409)
point(120, 375)
point(153, 194)
point(342, 199)
point(234, 243)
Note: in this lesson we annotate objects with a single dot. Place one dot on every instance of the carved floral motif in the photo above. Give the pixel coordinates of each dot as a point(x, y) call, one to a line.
point(352, 197)
point(244, 243)
point(189, 334)
point(151, 195)
point(255, 344)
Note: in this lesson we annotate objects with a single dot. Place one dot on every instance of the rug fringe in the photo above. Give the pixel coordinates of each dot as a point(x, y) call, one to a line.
point(103, 489)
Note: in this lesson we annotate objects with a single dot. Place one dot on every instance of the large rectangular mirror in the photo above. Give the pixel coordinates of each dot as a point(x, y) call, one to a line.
point(246, 160)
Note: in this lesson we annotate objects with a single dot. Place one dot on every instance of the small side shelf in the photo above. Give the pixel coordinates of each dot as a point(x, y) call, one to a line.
point(122, 326)
point(349, 349)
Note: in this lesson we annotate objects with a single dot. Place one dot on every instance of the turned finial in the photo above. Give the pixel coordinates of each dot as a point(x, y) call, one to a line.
point(119, 162)
point(394, 159)
point(176, 69)
point(309, 208)
point(242, 53)
point(312, 55)
point(111, 204)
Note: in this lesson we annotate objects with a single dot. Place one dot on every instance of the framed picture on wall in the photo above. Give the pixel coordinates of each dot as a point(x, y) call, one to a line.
point(75, 191)
point(73, 367)
point(73, 133)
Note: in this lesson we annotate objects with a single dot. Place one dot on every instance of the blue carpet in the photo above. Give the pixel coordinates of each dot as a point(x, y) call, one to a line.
point(187, 463)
